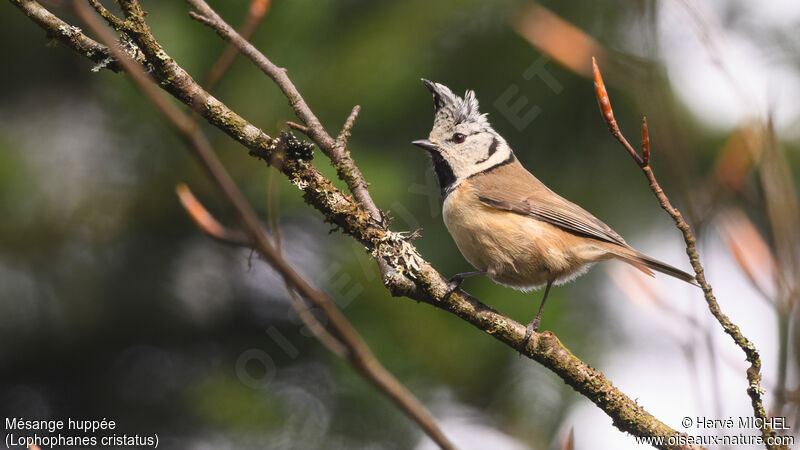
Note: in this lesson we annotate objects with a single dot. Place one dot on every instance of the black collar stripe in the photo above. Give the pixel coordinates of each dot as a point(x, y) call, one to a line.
point(506, 161)
point(492, 150)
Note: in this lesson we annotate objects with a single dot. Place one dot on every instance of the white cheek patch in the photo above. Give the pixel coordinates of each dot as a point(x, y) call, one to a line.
point(460, 165)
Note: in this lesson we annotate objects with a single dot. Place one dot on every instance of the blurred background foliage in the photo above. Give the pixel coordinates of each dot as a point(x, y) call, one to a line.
point(112, 304)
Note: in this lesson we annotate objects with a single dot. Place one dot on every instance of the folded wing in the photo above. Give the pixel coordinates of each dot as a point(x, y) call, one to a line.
point(512, 188)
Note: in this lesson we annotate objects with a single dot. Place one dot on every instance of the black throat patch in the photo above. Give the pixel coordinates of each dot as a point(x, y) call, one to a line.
point(443, 172)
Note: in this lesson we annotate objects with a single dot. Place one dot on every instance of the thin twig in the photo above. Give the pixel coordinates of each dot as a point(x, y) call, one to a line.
point(605, 109)
point(255, 14)
point(112, 20)
point(341, 139)
point(206, 222)
point(358, 353)
point(272, 208)
point(751, 254)
point(299, 305)
point(314, 325)
point(645, 142)
point(568, 441)
point(754, 389)
point(296, 126)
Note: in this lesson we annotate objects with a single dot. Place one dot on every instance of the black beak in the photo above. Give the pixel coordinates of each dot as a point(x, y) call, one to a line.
point(427, 145)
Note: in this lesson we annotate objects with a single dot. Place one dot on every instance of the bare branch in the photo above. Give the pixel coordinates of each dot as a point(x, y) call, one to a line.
point(112, 20)
point(645, 143)
point(568, 442)
point(296, 126)
point(341, 140)
point(752, 254)
point(316, 328)
point(754, 390)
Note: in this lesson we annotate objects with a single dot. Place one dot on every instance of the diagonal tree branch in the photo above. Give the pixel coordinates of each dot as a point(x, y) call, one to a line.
point(406, 273)
point(754, 390)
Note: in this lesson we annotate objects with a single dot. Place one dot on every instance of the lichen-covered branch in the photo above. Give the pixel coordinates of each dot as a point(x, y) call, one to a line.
point(406, 273)
point(71, 36)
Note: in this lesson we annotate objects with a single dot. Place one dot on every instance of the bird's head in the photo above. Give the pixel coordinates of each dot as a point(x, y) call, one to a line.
point(462, 142)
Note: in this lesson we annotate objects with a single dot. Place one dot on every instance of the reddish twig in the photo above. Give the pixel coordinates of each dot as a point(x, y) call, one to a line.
point(206, 222)
point(754, 389)
point(255, 14)
point(296, 126)
point(605, 109)
point(752, 254)
point(568, 442)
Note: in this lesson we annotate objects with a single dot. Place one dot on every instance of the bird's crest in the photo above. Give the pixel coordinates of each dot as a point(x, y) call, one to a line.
point(452, 109)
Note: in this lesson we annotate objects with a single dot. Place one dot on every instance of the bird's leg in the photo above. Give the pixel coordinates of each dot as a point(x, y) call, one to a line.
point(534, 325)
point(455, 281)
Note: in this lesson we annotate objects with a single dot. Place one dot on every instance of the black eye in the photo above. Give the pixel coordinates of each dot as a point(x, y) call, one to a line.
point(458, 138)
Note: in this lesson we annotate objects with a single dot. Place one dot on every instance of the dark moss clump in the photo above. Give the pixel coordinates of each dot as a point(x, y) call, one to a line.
point(295, 149)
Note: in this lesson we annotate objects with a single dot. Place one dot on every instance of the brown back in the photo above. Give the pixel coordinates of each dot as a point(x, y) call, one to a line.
point(511, 187)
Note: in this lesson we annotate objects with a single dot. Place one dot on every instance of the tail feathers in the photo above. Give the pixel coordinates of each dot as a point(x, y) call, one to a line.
point(645, 263)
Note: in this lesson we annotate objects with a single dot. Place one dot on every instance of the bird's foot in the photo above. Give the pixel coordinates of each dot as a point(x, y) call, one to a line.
point(533, 327)
point(452, 285)
point(456, 280)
